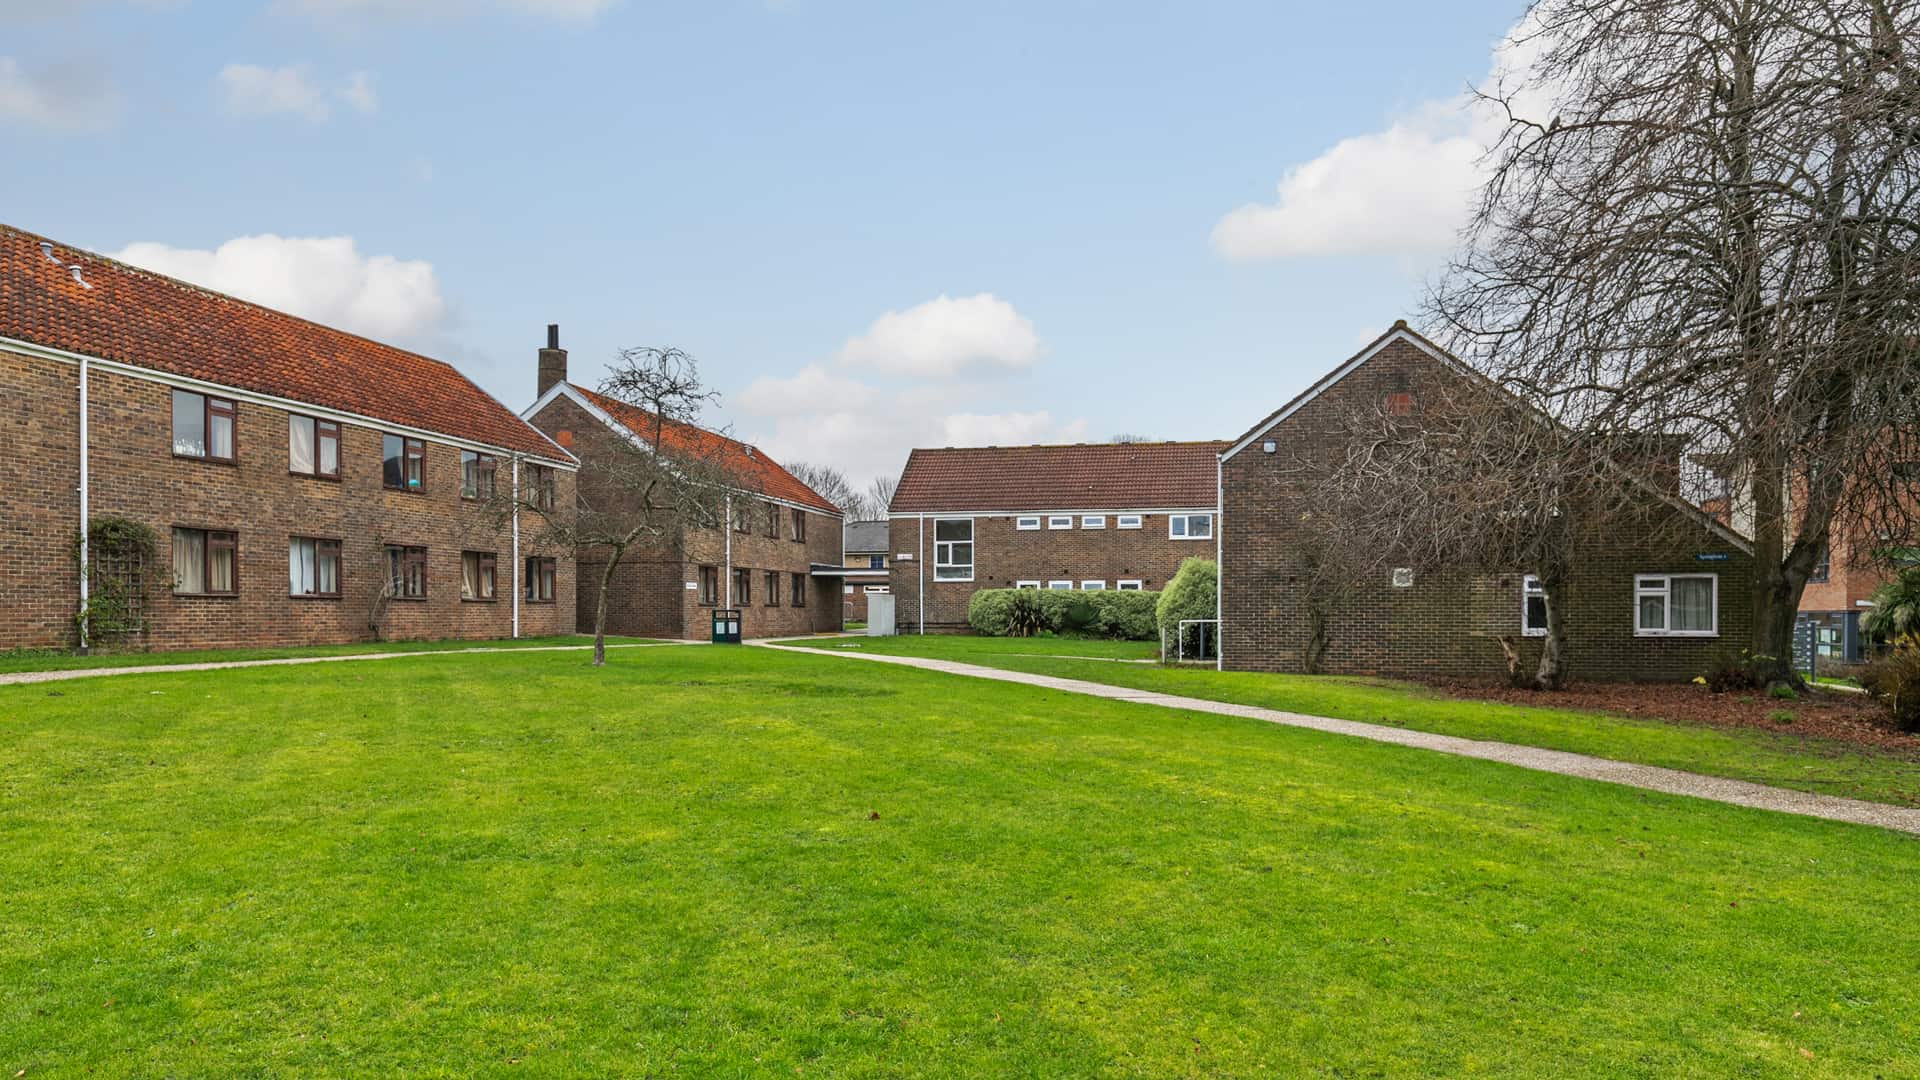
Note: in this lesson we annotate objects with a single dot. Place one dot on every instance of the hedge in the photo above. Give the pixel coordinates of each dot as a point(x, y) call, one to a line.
point(1023, 612)
point(1192, 594)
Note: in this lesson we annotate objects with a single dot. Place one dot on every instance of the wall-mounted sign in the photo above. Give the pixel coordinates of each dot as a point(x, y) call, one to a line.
point(1712, 556)
point(693, 586)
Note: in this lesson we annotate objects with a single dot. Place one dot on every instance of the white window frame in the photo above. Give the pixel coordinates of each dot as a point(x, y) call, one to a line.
point(1027, 522)
point(1093, 586)
point(942, 552)
point(1530, 588)
point(1643, 585)
point(1026, 584)
point(1060, 521)
point(1129, 521)
point(1128, 585)
point(1060, 586)
point(1093, 521)
point(1185, 531)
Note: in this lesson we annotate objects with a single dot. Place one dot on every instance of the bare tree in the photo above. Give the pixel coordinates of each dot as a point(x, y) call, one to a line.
point(880, 494)
point(639, 490)
point(834, 486)
point(1124, 439)
point(1701, 223)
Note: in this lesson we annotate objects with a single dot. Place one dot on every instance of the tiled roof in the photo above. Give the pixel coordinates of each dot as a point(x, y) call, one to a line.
point(866, 536)
point(1083, 476)
point(752, 468)
point(148, 320)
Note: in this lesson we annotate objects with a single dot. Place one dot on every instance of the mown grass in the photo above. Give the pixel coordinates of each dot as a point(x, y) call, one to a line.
point(734, 862)
point(18, 660)
point(1784, 758)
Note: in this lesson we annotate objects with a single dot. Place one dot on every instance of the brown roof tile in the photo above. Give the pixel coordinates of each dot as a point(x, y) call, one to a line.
point(138, 317)
point(1083, 476)
point(750, 466)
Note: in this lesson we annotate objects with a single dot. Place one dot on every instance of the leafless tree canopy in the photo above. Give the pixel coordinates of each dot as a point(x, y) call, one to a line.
point(834, 485)
point(1701, 223)
point(880, 494)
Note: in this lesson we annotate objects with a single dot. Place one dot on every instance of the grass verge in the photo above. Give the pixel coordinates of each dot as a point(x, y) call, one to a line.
point(20, 660)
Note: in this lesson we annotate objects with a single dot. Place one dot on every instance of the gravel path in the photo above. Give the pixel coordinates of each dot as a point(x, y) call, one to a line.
point(19, 677)
point(1650, 777)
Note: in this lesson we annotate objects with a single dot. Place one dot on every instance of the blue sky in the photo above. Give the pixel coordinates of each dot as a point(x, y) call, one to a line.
point(877, 225)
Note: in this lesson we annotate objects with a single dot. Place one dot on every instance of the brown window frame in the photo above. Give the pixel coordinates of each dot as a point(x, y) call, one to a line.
point(323, 431)
point(770, 584)
point(410, 555)
point(484, 466)
point(799, 526)
point(542, 577)
point(709, 591)
point(413, 464)
point(799, 587)
point(742, 518)
point(231, 543)
point(542, 487)
point(487, 563)
point(773, 521)
point(210, 407)
point(742, 587)
point(320, 546)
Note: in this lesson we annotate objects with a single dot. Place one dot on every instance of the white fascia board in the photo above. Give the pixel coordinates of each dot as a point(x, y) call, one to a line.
point(565, 461)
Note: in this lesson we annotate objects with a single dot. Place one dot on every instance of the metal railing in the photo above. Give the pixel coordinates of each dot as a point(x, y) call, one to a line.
point(1180, 639)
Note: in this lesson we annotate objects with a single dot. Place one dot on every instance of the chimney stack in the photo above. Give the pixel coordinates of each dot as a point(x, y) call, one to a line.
point(553, 361)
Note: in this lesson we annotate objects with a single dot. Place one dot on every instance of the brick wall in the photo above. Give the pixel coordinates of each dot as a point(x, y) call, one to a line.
point(1005, 555)
point(1446, 624)
point(650, 596)
point(134, 474)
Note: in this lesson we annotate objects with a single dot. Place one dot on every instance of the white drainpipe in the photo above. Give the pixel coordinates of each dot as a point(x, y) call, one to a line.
point(729, 534)
point(920, 557)
point(1219, 562)
point(86, 510)
point(516, 545)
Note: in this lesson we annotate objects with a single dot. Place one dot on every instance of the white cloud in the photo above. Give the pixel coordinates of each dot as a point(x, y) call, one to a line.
point(1405, 190)
point(359, 92)
point(325, 279)
point(252, 90)
point(946, 337)
point(813, 389)
point(70, 96)
point(1008, 429)
point(873, 440)
point(572, 10)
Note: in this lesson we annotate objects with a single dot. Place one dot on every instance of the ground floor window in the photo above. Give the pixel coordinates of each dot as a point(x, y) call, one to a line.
point(477, 575)
point(1026, 584)
point(1533, 607)
point(205, 562)
point(797, 593)
point(1128, 585)
point(407, 572)
point(313, 567)
point(742, 588)
point(1060, 585)
point(1094, 586)
point(770, 581)
point(710, 585)
point(1676, 605)
point(540, 581)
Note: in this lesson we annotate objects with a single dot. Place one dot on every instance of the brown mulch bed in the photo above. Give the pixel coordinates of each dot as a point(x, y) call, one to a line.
point(1821, 714)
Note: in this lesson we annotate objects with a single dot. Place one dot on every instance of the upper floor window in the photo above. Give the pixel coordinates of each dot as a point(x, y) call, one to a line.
point(407, 572)
point(1190, 526)
point(205, 562)
point(313, 447)
point(1093, 521)
point(742, 517)
point(773, 520)
point(313, 567)
point(799, 525)
point(402, 462)
point(1060, 521)
point(953, 549)
point(202, 426)
point(1026, 524)
point(1676, 605)
point(540, 579)
point(1127, 521)
point(477, 577)
point(476, 475)
point(541, 487)
point(1533, 607)
point(876, 562)
point(1822, 569)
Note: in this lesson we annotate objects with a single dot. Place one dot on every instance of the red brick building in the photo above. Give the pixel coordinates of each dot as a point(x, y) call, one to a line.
point(777, 561)
point(1085, 516)
point(302, 484)
point(1657, 602)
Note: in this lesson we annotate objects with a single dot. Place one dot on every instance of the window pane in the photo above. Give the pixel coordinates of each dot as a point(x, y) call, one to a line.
point(189, 561)
point(189, 424)
point(392, 467)
point(220, 567)
point(300, 444)
point(1200, 525)
point(469, 576)
point(301, 572)
point(1692, 604)
point(953, 530)
point(220, 439)
point(1177, 526)
point(329, 450)
point(1536, 612)
point(1653, 613)
point(327, 580)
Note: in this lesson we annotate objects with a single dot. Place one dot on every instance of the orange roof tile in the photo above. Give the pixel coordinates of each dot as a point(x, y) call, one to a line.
point(754, 470)
point(1081, 476)
point(148, 320)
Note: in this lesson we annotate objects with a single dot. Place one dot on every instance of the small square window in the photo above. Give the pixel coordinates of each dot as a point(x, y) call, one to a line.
point(1026, 524)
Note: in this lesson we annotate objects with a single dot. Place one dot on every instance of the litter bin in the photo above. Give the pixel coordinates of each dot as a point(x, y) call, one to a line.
point(726, 626)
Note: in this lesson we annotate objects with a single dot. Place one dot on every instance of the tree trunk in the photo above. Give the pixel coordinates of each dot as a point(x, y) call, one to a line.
point(600, 607)
point(1317, 640)
point(1552, 672)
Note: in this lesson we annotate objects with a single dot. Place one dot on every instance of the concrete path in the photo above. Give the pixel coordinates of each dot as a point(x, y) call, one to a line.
point(1650, 777)
point(20, 677)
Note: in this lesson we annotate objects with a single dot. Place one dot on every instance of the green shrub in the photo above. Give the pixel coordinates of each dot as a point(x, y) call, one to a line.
point(1025, 612)
point(1741, 670)
point(1192, 594)
point(1783, 692)
point(1894, 681)
point(1895, 614)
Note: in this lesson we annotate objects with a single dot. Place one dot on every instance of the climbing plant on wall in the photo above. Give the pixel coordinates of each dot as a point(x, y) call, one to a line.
point(119, 573)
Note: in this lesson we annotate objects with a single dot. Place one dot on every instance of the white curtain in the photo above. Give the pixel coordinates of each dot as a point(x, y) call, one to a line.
point(300, 569)
point(469, 577)
point(220, 438)
point(328, 576)
point(1692, 604)
point(220, 570)
point(299, 444)
point(189, 561)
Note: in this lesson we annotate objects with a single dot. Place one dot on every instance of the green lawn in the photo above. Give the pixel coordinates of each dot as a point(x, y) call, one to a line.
point(61, 660)
point(1779, 758)
point(743, 862)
